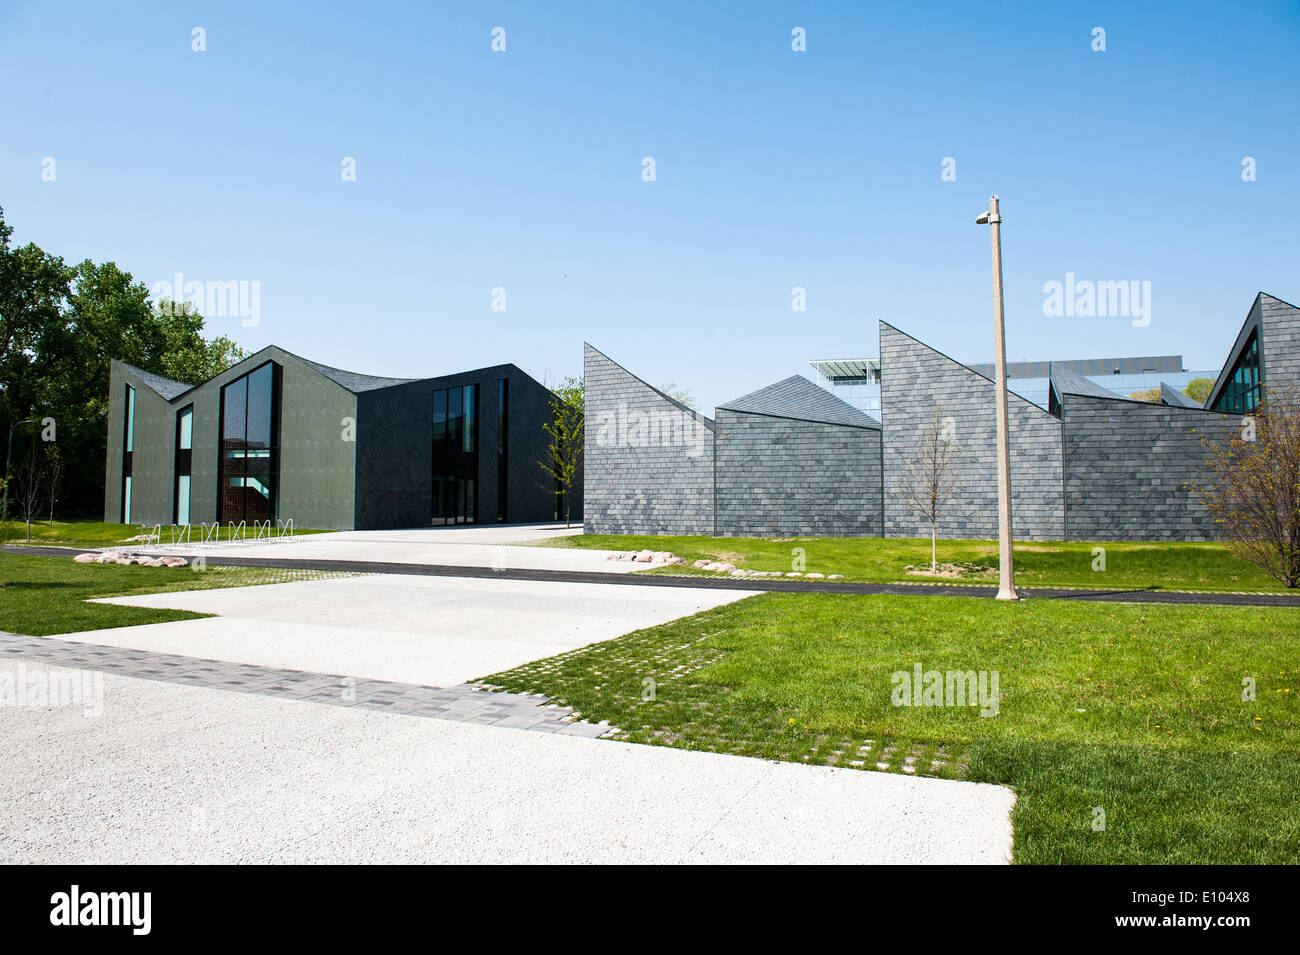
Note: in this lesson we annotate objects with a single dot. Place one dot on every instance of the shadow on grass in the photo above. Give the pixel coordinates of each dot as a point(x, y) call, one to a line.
point(1123, 804)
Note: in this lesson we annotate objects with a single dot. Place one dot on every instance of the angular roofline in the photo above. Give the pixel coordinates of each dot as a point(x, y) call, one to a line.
point(1175, 398)
point(1010, 393)
point(152, 379)
point(350, 381)
point(707, 422)
point(868, 424)
point(1067, 381)
point(1248, 325)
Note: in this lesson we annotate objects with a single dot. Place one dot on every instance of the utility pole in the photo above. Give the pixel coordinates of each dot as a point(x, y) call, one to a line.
point(1006, 557)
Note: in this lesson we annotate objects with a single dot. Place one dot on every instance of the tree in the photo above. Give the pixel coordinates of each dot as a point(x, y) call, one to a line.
point(53, 475)
point(1255, 490)
point(931, 477)
point(29, 487)
point(1151, 395)
point(679, 394)
point(565, 429)
point(1198, 389)
point(60, 327)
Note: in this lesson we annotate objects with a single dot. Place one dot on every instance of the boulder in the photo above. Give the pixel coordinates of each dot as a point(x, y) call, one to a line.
point(816, 576)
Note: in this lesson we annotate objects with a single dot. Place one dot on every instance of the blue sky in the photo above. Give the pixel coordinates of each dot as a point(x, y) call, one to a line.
point(774, 169)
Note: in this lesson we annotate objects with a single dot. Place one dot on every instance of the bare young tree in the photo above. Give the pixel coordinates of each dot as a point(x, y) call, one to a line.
point(29, 488)
point(53, 476)
point(931, 477)
point(1254, 493)
point(565, 429)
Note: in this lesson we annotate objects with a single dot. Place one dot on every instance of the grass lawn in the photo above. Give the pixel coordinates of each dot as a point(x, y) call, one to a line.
point(1136, 709)
point(40, 596)
point(1155, 566)
point(91, 533)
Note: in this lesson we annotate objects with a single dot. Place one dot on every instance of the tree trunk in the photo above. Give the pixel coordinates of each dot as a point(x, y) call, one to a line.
point(934, 566)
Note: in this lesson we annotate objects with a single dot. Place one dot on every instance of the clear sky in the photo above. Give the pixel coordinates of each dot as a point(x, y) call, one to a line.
point(774, 169)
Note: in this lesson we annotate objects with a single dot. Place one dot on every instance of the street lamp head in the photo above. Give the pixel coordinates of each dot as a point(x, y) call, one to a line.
point(983, 219)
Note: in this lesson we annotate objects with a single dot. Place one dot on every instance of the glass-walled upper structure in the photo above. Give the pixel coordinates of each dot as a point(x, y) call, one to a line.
point(250, 446)
point(455, 455)
point(857, 381)
point(1241, 391)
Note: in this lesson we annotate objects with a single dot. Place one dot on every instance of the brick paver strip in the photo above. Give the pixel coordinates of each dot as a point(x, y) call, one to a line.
point(464, 703)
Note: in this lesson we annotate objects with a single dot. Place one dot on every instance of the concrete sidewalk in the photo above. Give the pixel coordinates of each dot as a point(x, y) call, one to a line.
point(436, 631)
point(178, 774)
point(475, 545)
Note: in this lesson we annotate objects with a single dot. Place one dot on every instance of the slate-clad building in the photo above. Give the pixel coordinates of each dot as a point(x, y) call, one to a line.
point(279, 438)
point(787, 459)
point(791, 459)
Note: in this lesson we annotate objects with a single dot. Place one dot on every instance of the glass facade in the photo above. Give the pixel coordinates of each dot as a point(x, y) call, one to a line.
point(128, 454)
point(455, 455)
point(503, 430)
point(184, 455)
point(250, 446)
point(1241, 392)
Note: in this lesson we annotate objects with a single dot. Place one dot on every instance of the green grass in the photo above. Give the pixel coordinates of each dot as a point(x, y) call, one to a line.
point(1155, 566)
point(1136, 709)
point(40, 596)
point(91, 533)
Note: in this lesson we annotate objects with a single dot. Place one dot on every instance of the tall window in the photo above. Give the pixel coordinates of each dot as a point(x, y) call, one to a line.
point(250, 446)
point(455, 455)
point(128, 454)
point(1241, 392)
point(503, 431)
point(184, 453)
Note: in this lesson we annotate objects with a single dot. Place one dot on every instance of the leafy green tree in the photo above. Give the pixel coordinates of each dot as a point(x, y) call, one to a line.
point(60, 328)
point(565, 429)
point(1198, 389)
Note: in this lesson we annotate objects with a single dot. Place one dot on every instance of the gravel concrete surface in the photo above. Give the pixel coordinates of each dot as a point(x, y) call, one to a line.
point(174, 773)
point(484, 545)
point(436, 631)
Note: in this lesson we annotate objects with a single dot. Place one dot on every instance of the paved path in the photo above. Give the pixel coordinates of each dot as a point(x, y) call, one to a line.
point(475, 557)
point(188, 774)
point(464, 703)
point(432, 631)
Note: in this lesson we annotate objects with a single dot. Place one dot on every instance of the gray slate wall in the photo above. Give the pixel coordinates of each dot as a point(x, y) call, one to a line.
point(395, 449)
point(649, 461)
point(778, 477)
point(914, 379)
point(153, 461)
point(1128, 464)
point(1280, 339)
